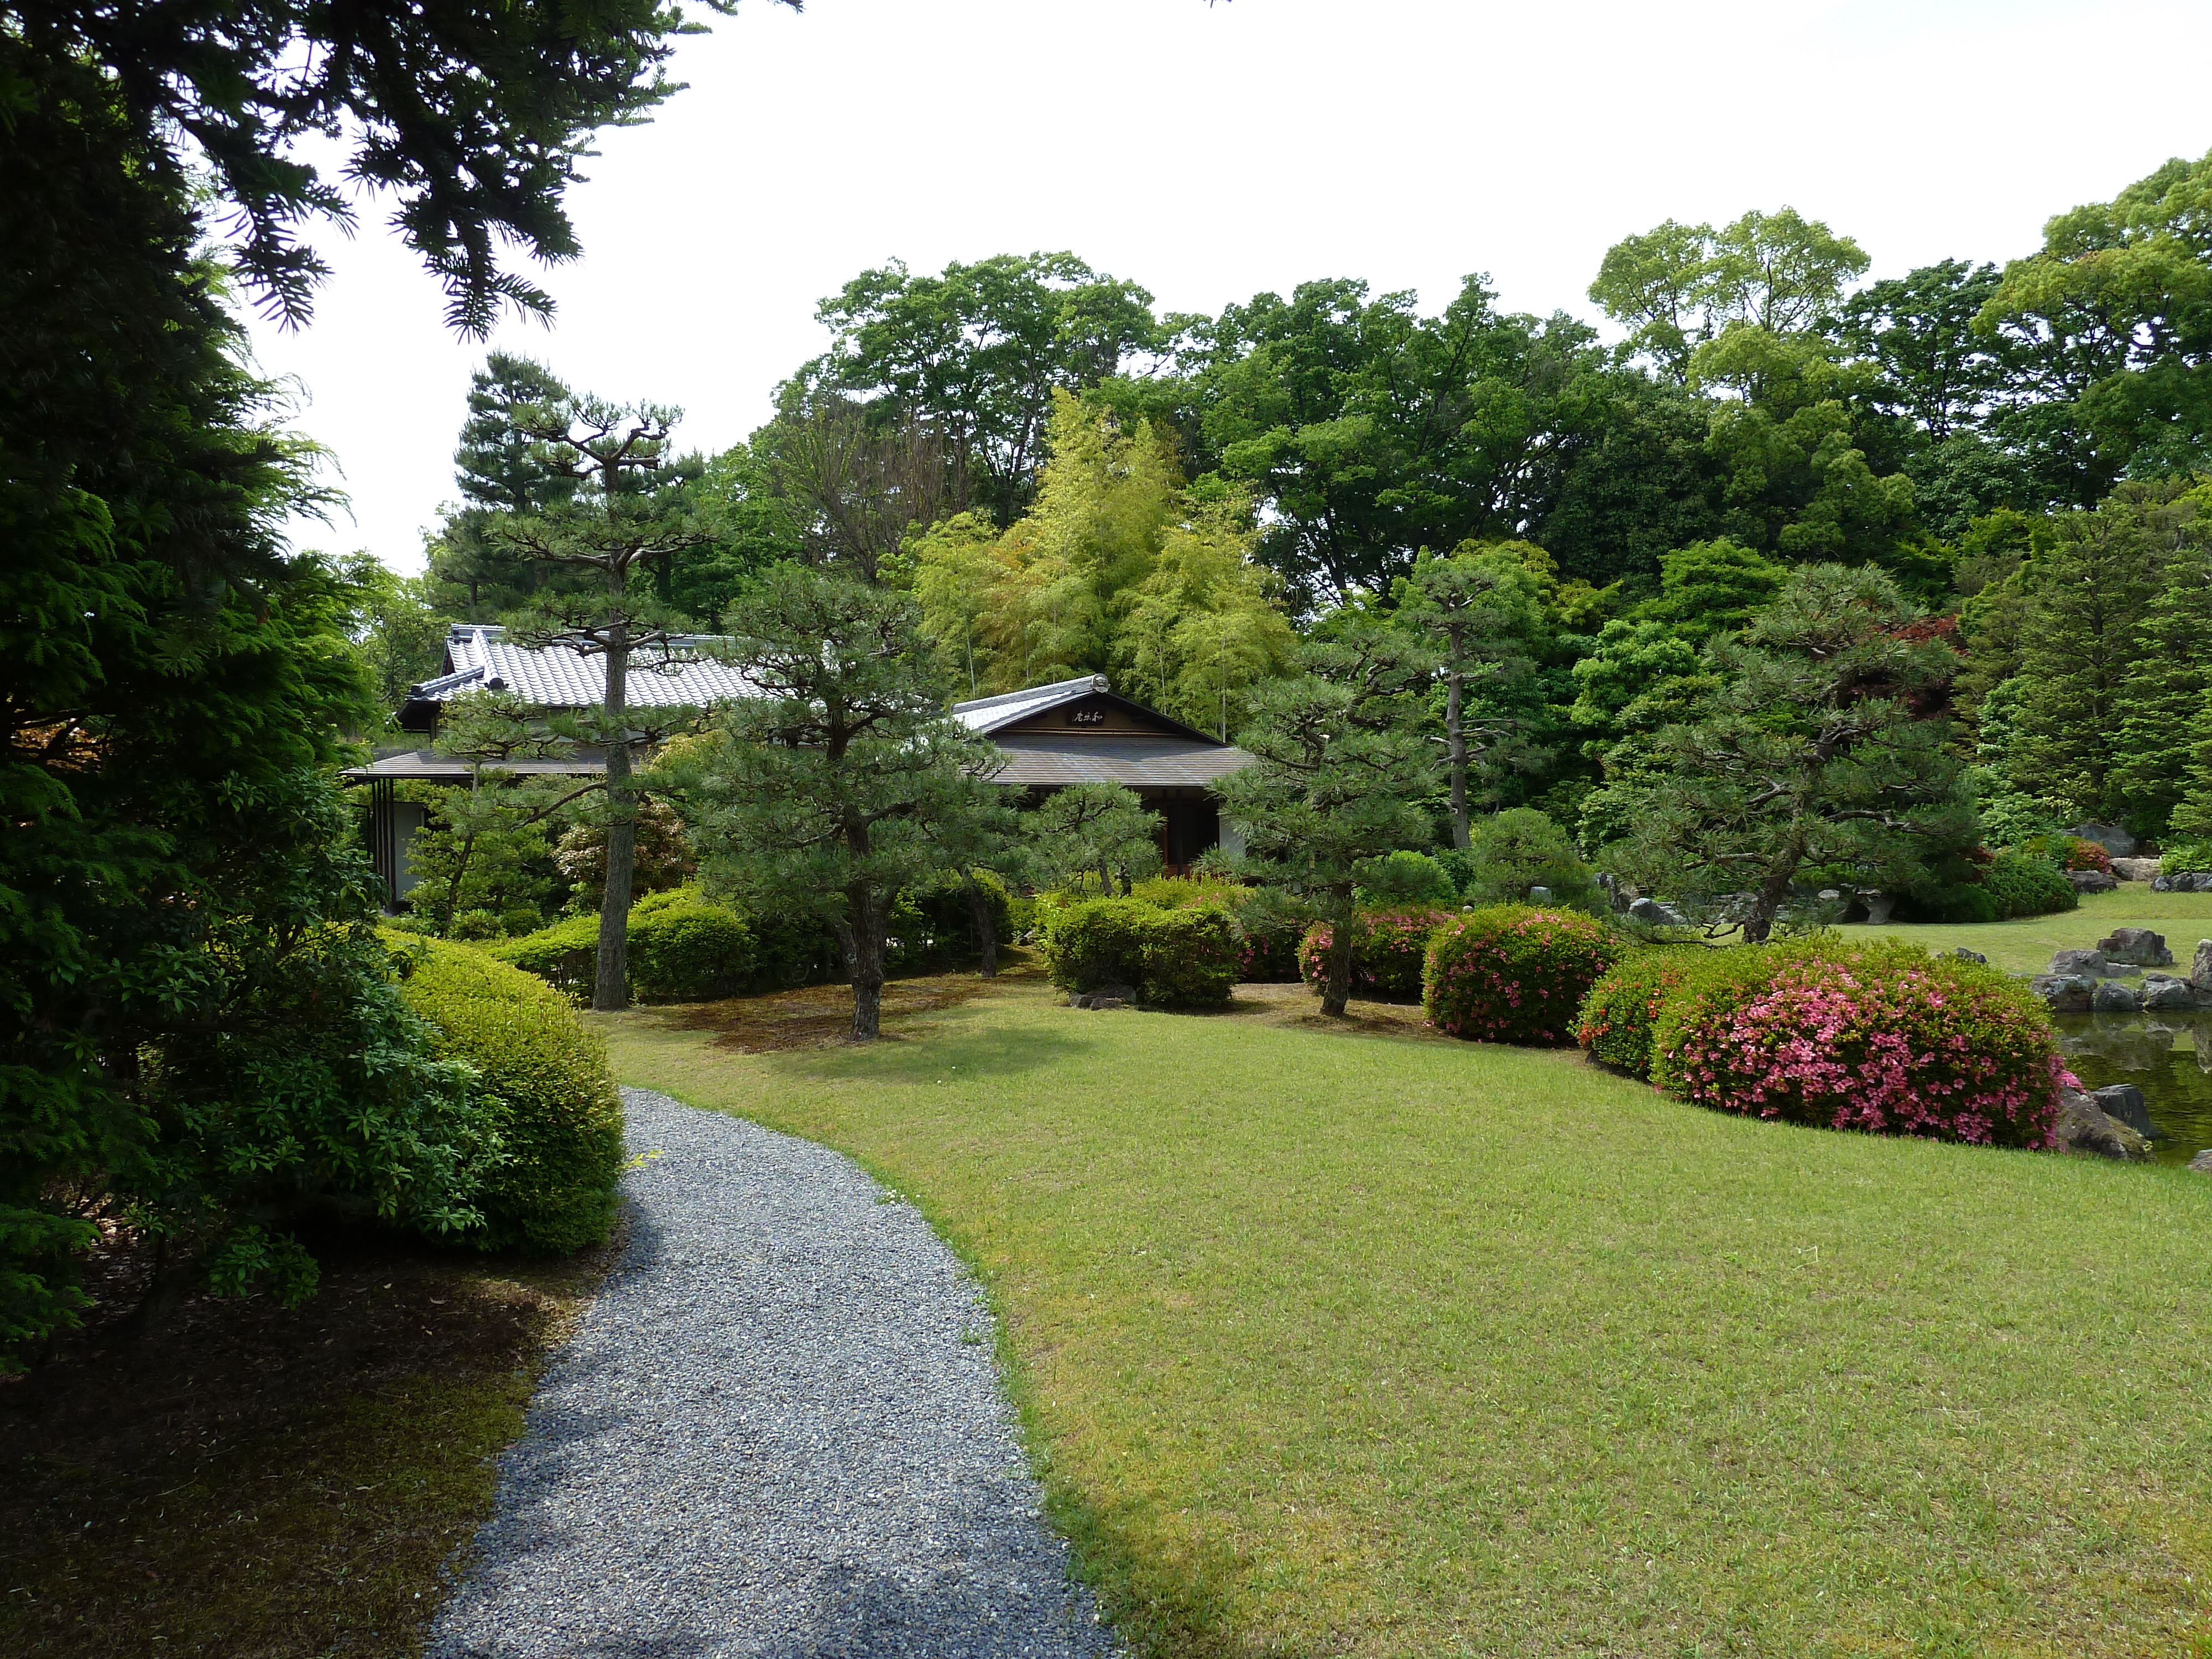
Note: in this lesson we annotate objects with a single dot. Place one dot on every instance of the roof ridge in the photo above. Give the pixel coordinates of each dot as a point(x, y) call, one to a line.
point(1082, 682)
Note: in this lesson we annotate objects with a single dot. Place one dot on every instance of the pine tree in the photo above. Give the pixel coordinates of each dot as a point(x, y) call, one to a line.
point(2163, 694)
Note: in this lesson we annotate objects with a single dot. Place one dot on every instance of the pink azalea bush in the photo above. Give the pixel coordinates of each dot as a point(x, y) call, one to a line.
point(1386, 958)
point(1880, 1037)
point(1515, 974)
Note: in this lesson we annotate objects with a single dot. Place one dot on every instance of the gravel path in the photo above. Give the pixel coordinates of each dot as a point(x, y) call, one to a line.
point(778, 1431)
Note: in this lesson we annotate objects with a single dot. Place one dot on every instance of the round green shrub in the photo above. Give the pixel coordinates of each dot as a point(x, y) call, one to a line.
point(1615, 1024)
point(1880, 1037)
point(564, 956)
point(1188, 956)
point(688, 951)
point(1515, 974)
point(2025, 886)
point(1096, 941)
point(1407, 880)
point(556, 1108)
point(1388, 954)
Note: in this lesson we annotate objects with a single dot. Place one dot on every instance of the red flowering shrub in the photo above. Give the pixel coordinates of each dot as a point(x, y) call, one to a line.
point(2085, 855)
point(1269, 958)
point(1615, 1023)
point(1880, 1037)
point(1513, 974)
point(1386, 958)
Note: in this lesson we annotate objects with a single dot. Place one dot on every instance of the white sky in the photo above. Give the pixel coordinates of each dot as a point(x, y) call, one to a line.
point(1213, 152)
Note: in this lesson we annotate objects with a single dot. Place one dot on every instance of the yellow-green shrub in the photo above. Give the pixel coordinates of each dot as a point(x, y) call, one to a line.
point(557, 1111)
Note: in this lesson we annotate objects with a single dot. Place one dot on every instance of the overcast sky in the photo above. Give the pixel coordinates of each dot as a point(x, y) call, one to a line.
point(1214, 152)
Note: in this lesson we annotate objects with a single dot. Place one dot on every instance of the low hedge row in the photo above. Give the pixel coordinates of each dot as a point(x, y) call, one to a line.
point(1616, 1020)
point(555, 1109)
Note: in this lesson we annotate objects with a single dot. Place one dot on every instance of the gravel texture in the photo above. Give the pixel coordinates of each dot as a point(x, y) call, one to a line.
point(778, 1431)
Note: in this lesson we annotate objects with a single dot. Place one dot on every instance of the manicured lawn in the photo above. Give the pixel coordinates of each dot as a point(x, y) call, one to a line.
point(2025, 946)
point(1358, 1344)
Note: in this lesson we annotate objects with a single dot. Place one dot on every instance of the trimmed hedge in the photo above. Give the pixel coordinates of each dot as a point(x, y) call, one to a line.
point(1388, 958)
point(2025, 886)
point(1880, 1037)
point(557, 1110)
point(684, 947)
point(1615, 1024)
point(1182, 958)
point(1515, 974)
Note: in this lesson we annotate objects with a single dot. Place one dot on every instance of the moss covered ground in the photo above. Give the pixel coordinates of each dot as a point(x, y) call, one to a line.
point(1355, 1342)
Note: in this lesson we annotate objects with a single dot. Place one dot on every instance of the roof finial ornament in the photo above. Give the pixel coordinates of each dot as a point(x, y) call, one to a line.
point(1098, 683)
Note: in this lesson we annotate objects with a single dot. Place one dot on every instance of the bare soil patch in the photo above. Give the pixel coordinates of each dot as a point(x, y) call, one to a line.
point(821, 1015)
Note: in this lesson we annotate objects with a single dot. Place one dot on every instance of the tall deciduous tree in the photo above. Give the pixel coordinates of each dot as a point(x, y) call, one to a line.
point(832, 788)
point(633, 507)
point(856, 482)
point(1812, 757)
point(1341, 767)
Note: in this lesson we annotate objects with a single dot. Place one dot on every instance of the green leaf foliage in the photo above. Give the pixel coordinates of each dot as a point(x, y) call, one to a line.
point(558, 1117)
point(1512, 973)
point(1619, 1015)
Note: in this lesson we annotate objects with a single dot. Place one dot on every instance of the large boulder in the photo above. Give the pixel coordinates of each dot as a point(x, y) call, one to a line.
point(2065, 993)
point(1878, 906)
point(2123, 1103)
point(1657, 914)
point(2163, 993)
point(2084, 1128)
point(2110, 836)
point(2184, 881)
point(2090, 881)
point(2138, 946)
point(2113, 997)
point(2136, 869)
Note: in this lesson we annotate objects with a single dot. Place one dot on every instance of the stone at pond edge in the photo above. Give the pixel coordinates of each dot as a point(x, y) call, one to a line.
point(2124, 1103)
point(2136, 869)
point(2114, 999)
point(2084, 1128)
point(2090, 881)
point(2092, 962)
point(2138, 946)
point(2167, 994)
point(2203, 1161)
point(2066, 993)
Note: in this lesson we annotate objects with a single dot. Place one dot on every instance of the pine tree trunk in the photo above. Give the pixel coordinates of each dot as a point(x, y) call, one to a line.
point(861, 933)
point(1456, 730)
point(1336, 992)
point(987, 928)
point(1766, 904)
point(610, 987)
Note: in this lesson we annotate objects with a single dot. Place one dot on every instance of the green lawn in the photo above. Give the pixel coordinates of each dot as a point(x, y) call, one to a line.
point(1356, 1344)
point(2024, 947)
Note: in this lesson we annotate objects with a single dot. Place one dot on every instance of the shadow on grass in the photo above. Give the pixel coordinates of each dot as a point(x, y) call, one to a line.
point(956, 1046)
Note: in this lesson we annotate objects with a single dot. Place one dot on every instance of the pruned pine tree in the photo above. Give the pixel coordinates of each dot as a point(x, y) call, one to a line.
point(1341, 767)
point(828, 791)
point(634, 506)
point(1811, 755)
point(974, 829)
point(1474, 605)
point(1095, 829)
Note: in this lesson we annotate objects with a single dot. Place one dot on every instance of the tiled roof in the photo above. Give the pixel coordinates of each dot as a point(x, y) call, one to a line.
point(427, 765)
point(989, 713)
point(480, 658)
point(1042, 760)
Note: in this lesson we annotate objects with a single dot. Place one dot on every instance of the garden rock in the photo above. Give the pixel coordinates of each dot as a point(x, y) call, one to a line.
point(2084, 1128)
point(2065, 993)
point(2203, 1161)
point(2200, 970)
point(2138, 946)
point(2124, 1103)
point(1878, 906)
point(778, 1431)
point(1965, 955)
point(2091, 963)
point(1655, 913)
point(2116, 999)
point(2090, 881)
point(1106, 996)
point(2184, 881)
point(2136, 869)
point(2166, 994)
point(2110, 836)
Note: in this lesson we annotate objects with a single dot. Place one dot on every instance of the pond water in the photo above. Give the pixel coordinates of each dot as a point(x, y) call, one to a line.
point(2167, 1056)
